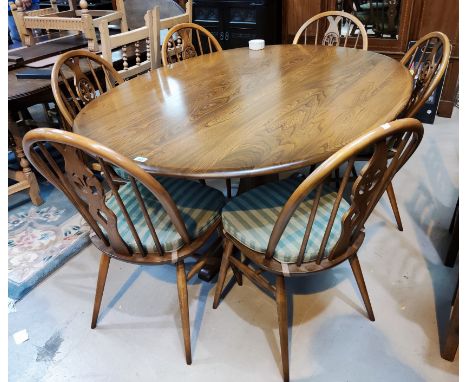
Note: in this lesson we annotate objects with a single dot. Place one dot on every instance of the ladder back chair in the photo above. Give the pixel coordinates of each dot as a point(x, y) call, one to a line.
point(291, 228)
point(187, 40)
point(144, 42)
point(145, 221)
point(79, 77)
point(335, 28)
point(427, 62)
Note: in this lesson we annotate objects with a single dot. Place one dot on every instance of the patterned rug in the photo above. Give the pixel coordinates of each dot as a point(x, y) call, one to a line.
point(41, 239)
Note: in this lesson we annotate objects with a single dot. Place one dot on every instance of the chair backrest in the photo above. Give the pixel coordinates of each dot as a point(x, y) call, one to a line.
point(78, 77)
point(18, 12)
point(71, 171)
point(187, 40)
point(427, 61)
point(392, 145)
point(139, 47)
point(336, 28)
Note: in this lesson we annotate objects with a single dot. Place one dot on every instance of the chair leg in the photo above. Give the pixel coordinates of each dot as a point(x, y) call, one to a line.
point(356, 267)
point(184, 309)
point(237, 275)
point(281, 304)
point(228, 188)
point(393, 203)
point(222, 271)
point(101, 282)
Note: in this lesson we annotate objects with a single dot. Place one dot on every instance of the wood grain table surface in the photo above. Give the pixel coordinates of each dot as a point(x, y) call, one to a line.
point(243, 113)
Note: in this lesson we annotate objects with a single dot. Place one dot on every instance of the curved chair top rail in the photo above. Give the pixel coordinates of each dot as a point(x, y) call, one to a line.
point(78, 77)
point(180, 43)
point(427, 61)
point(405, 136)
point(87, 191)
point(331, 34)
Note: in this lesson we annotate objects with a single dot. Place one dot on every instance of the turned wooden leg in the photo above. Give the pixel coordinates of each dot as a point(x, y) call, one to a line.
point(101, 282)
point(184, 309)
point(281, 304)
point(223, 271)
point(393, 203)
point(451, 342)
point(17, 133)
point(356, 267)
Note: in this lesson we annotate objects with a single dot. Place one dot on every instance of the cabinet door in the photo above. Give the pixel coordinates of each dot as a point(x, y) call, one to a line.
point(244, 21)
point(209, 15)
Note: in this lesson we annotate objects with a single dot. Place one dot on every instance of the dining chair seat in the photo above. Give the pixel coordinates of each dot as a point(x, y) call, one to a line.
point(250, 217)
point(200, 207)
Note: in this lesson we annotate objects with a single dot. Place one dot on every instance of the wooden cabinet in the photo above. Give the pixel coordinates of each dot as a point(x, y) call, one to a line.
point(234, 23)
point(415, 19)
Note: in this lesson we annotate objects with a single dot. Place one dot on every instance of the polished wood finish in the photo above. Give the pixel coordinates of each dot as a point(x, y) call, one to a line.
point(333, 28)
point(357, 272)
point(100, 284)
point(366, 191)
point(187, 40)
point(282, 307)
point(89, 193)
point(75, 82)
point(147, 35)
point(184, 309)
point(208, 118)
point(394, 205)
point(416, 19)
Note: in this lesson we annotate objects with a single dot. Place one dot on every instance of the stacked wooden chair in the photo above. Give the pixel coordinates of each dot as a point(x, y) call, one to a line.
point(293, 229)
point(144, 221)
point(144, 42)
point(81, 20)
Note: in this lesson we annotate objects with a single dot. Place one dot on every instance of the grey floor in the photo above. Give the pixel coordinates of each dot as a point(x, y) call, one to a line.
point(139, 338)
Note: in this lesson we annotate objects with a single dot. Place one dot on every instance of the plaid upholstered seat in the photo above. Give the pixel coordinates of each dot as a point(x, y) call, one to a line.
point(250, 218)
point(198, 205)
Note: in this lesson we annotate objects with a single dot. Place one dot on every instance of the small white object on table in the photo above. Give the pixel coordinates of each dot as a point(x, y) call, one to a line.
point(256, 44)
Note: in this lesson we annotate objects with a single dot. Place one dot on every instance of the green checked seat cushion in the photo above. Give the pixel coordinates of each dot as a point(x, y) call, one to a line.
point(250, 218)
point(198, 205)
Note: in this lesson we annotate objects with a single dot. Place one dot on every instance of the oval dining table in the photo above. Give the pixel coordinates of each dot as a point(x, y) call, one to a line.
point(243, 113)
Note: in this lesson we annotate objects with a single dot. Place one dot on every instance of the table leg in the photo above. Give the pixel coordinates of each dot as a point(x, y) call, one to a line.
point(211, 268)
point(26, 178)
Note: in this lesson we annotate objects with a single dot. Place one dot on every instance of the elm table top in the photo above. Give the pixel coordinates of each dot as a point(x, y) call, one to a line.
point(240, 113)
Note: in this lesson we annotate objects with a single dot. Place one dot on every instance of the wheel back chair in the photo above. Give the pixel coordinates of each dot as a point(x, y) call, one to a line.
point(78, 78)
point(188, 40)
point(336, 28)
point(145, 221)
point(294, 229)
point(427, 62)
